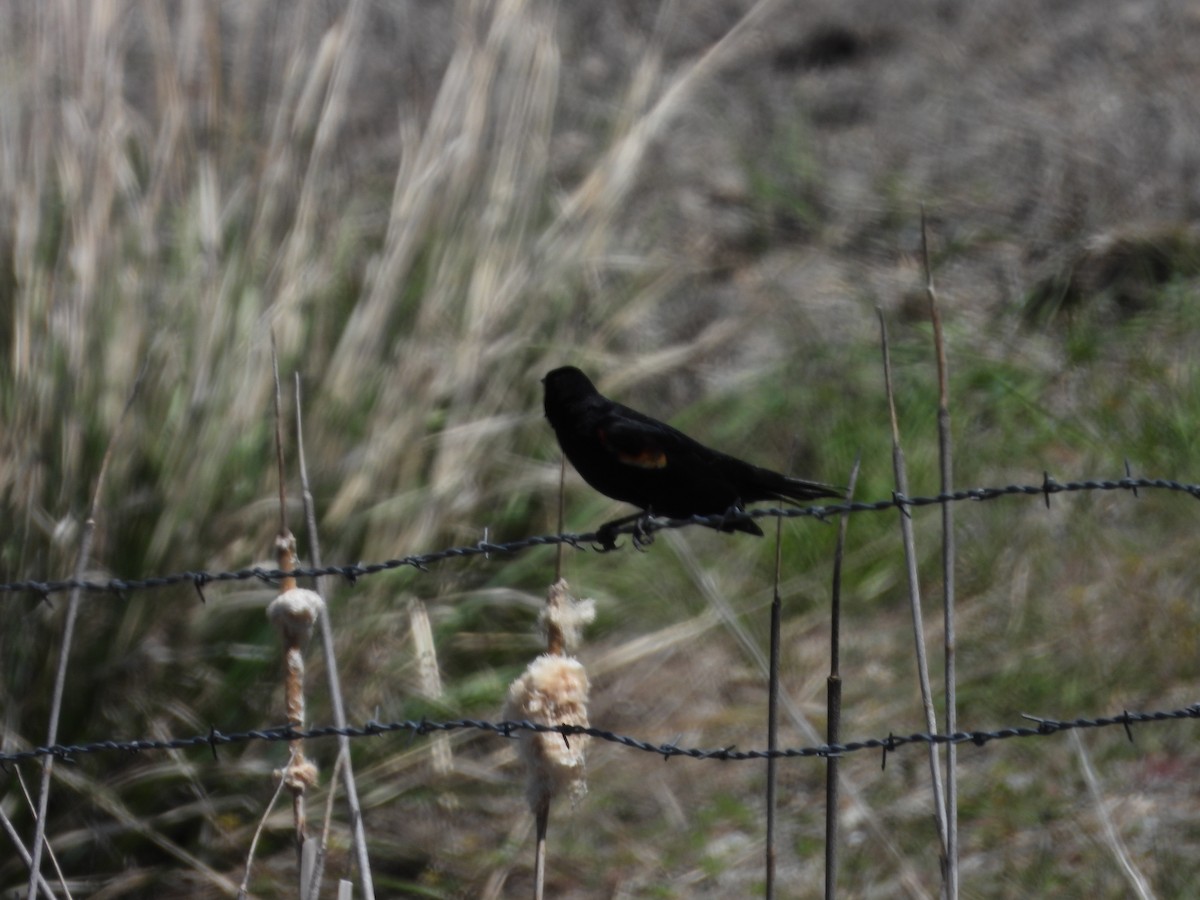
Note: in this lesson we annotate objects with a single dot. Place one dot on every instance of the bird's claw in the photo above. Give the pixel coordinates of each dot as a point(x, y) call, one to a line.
point(640, 537)
point(606, 540)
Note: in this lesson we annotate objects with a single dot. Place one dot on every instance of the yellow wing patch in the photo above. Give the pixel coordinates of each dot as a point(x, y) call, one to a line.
point(645, 459)
point(649, 457)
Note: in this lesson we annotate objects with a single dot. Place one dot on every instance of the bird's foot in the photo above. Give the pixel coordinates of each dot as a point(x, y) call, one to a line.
point(606, 534)
point(640, 536)
point(606, 539)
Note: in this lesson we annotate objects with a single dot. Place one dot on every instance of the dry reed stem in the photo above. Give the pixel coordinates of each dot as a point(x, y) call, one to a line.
point(15, 838)
point(64, 653)
point(719, 604)
point(294, 613)
point(773, 711)
point(539, 855)
point(344, 762)
point(553, 690)
point(833, 703)
point(514, 840)
point(286, 584)
point(914, 592)
point(562, 499)
point(314, 882)
point(244, 887)
point(946, 469)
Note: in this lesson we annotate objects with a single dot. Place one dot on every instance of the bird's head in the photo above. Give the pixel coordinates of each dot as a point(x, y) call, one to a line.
point(566, 384)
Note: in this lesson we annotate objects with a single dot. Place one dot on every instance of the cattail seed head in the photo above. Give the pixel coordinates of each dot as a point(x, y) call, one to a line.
point(553, 691)
point(294, 613)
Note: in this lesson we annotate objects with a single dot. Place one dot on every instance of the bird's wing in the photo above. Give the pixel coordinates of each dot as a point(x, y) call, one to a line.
point(636, 440)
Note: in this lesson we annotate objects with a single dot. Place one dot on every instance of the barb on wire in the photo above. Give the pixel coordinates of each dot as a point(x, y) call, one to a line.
point(890, 744)
point(643, 527)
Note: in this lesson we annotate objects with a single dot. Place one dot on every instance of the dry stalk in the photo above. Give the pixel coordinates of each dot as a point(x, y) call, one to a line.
point(10, 830)
point(64, 653)
point(244, 887)
point(914, 592)
point(562, 487)
point(553, 691)
point(293, 613)
point(314, 883)
point(833, 702)
point(946, 467)
point(773, 711)
point(366, 883)
point(284, 532)
point(872, 819)
point(539, 855)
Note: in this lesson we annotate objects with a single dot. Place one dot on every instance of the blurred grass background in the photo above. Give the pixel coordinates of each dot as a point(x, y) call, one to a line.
point(430, 205)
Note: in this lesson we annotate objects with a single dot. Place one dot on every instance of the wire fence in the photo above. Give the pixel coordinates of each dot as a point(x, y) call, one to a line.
point(214, 738)
point(642, 530)
point(603, 540)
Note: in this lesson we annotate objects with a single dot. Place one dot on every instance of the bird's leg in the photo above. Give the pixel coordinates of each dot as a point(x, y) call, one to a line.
point(606, 534)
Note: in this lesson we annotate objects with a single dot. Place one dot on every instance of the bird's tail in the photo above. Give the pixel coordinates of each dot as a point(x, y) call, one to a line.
point(745, 525)
point(798, 489)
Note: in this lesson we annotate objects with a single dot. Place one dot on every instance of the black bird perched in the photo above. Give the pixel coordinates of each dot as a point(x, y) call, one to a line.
point(636, 459)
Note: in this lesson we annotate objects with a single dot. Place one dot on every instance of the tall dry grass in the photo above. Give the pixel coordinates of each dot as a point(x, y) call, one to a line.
point(177, 183)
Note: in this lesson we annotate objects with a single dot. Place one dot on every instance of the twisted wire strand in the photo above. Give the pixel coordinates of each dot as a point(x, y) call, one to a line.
point(509, 729)
point(421, 561)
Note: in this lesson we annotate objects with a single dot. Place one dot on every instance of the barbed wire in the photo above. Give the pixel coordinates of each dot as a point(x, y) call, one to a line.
point(510, 729)
point(641, 529)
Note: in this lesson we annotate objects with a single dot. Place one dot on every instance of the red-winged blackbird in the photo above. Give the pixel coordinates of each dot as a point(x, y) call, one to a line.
point(634, 458)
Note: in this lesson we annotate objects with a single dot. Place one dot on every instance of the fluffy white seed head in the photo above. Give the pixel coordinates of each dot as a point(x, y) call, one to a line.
point(552, 691)
point(294, 613)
